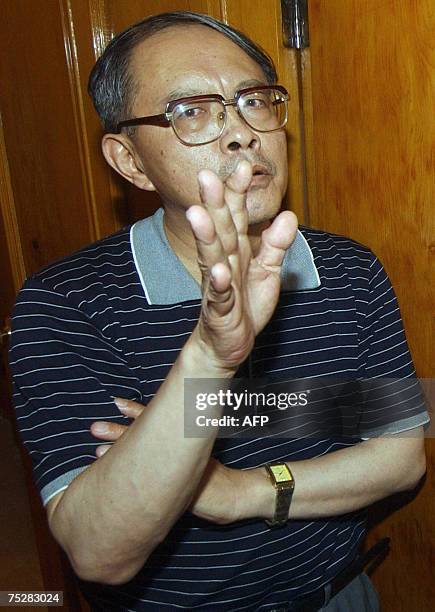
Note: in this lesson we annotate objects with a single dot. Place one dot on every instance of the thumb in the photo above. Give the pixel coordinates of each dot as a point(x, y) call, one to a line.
point(276, 239)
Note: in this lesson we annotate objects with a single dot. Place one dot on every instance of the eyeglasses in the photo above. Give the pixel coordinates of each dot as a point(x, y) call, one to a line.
point(199, 120)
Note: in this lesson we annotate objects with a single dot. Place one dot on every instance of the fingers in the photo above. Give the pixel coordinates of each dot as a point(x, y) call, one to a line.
point(276, 239)
point(226, 204)
point(104, 430)
point(129, 408)
point(216, 271)
point(212, 193)
point(236, 189)
point(208, 243)
point(220, 225)
point(211, 255)
point(102, 449)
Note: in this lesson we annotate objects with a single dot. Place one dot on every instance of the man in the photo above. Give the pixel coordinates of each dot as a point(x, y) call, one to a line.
point(163, 521)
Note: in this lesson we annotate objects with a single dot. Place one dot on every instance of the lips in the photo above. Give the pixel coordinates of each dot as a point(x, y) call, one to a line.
point(261, 177)
point(260, 170)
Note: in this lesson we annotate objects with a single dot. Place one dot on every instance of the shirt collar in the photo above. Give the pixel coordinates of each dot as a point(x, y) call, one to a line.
point(165, 279)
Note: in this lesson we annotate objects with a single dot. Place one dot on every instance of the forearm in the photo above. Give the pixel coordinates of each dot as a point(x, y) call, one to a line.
point(341, 481)
point(115, 513)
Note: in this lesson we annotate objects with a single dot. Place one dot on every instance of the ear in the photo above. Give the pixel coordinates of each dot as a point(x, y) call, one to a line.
point(120, 153)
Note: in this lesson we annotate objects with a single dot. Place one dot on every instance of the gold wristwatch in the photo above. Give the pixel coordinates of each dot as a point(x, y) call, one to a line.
point(283, 481)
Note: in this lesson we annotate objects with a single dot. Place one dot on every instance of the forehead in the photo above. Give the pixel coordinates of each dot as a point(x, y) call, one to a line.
point(192, 58)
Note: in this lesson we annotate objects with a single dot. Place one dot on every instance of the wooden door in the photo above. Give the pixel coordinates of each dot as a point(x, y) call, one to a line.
point(370, 132)
point(47, 201)
point(372, 143)
point(360, 163)
point(10, 283)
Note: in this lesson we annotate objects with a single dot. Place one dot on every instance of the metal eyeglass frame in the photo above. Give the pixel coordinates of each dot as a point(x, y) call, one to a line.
point(165, 119)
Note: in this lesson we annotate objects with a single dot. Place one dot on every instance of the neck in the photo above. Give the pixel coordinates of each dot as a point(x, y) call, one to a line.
point(182, 241)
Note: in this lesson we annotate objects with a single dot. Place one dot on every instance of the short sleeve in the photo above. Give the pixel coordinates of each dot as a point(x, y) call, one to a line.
point(393, 399)
point(65, 374)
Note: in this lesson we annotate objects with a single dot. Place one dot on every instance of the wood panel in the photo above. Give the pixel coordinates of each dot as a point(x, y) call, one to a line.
point(19, 561)
point(124, 12)
point(39, 120)
point(46, 193)
point(87, 30)
point(373, 90)
point(369, 99)
point(11, 270)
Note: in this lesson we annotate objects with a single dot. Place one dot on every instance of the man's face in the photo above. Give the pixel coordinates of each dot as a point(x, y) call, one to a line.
point(191, 60)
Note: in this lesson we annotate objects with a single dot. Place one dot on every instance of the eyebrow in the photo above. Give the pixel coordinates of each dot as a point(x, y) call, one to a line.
point(180, 92)
point(251, 83)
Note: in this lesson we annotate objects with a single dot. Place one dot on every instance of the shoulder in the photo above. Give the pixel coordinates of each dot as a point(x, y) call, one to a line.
point(86, 270)
point(101, 256)
point(331, 251)
point(88, 283)
point(327, 245)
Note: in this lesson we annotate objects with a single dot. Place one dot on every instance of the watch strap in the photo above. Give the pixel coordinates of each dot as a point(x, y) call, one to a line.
point(284, 493)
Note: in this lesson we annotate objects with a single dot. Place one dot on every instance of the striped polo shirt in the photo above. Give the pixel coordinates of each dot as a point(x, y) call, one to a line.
point(111, 319)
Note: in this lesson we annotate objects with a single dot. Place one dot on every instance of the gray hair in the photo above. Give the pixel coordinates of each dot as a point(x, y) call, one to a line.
point(111, 84)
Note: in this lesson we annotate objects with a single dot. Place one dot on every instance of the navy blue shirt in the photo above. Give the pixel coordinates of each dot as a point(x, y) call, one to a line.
point(111, 320)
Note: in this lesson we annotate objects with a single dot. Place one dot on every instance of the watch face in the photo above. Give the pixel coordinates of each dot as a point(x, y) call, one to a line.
point(281, 473)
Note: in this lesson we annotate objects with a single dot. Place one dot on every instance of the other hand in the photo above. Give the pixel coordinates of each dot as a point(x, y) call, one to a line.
point(220, 492)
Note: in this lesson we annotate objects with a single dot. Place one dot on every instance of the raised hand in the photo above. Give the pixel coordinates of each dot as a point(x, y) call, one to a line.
point(240, 290)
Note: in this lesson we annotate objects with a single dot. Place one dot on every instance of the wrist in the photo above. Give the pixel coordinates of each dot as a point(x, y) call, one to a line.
point(257, 494)
point(199, 359)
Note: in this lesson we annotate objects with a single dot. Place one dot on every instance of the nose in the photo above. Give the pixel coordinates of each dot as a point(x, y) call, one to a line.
point(237, 134)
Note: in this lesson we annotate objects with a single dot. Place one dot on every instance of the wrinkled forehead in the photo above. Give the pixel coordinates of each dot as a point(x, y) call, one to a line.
point(191, 57)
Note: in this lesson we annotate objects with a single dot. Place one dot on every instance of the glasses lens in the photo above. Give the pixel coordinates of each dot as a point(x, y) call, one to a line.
point(198, 122)
point(264, 110)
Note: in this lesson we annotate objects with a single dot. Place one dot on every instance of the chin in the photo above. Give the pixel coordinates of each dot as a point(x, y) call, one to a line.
point(262, 211)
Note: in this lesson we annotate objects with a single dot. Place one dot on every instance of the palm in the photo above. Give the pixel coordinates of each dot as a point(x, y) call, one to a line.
point(263, 293)
point(240, 291)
